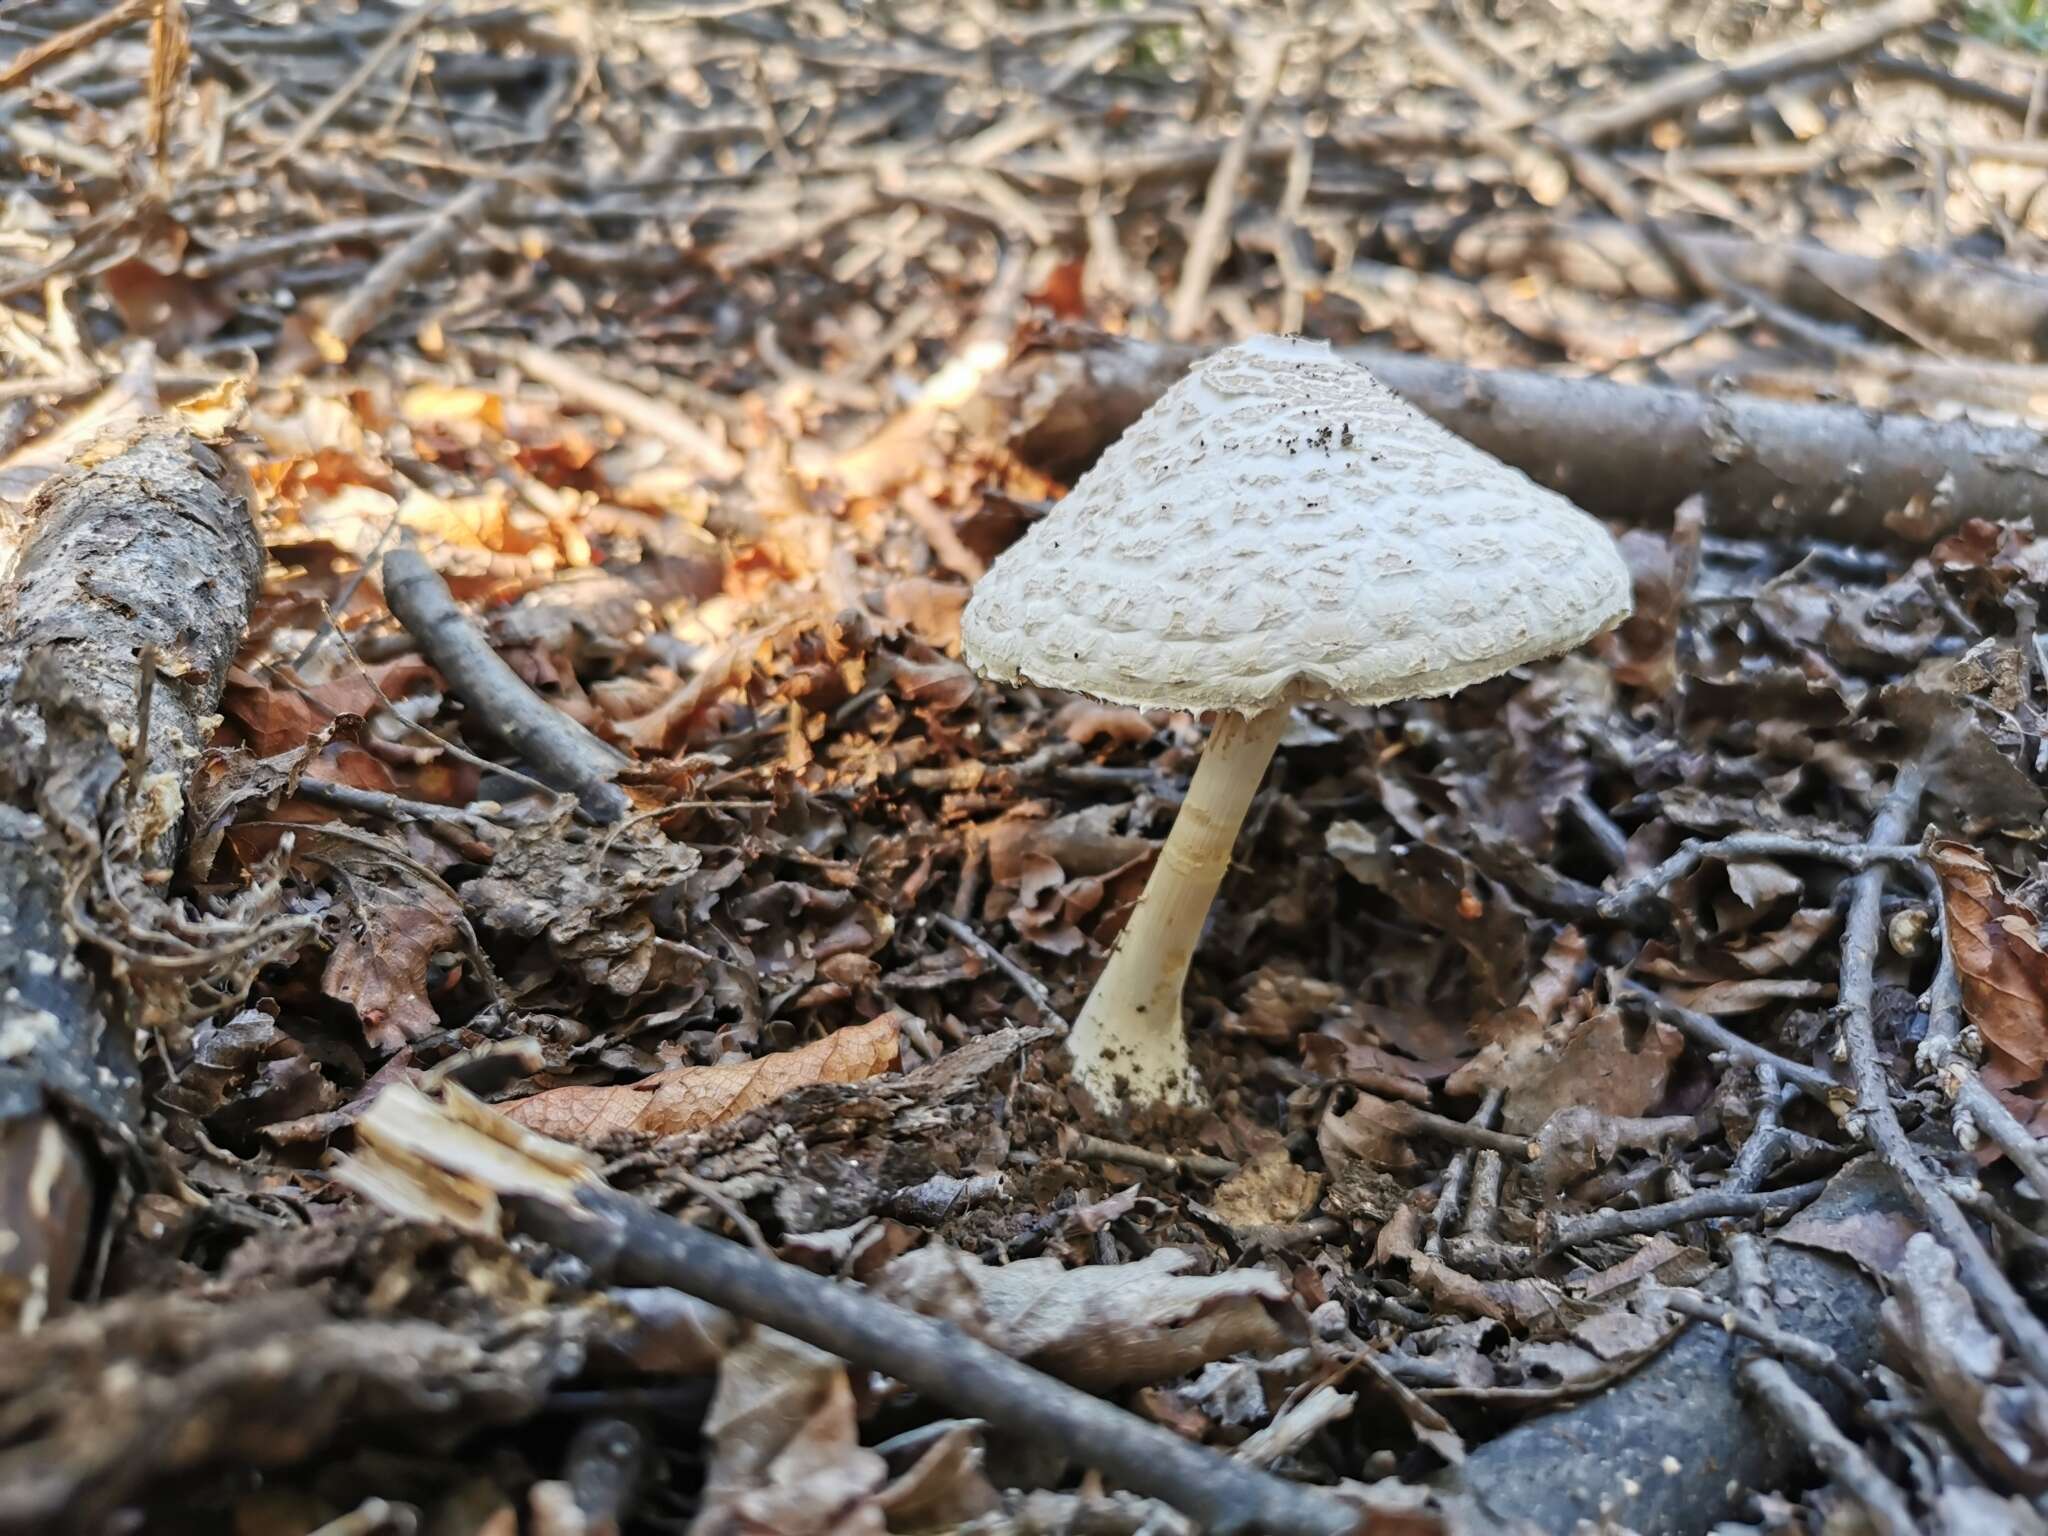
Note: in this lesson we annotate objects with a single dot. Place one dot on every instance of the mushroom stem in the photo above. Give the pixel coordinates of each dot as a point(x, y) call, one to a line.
point(1129, 1044)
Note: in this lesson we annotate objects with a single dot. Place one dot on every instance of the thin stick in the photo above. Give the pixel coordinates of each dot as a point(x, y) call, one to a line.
point(1099, 1149)
point(2002, 1305)
point(1835, 1453)
point(560, 751)
point(1205, 246)
point(1563, 1232)
point(1805, 1353)
point(1399, 1115)
point(1761, 1150)
point(1675, 92)
point(1444, 1220)
point(936, 1359)
point(84, 35)
point(1644, 895)
point(1031, 986)
point(374, 61)
point(644, 413)
point(400, 268)
point(1716, 1036)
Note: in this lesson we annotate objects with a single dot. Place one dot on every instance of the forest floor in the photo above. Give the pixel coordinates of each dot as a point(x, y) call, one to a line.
point(1624, 1077)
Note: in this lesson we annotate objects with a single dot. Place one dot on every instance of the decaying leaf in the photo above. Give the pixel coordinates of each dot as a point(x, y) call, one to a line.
point(382, 953)
point(1104, 1325)
point(786, 1454)
point(1998, 953)
point(690, 1098)
point(1269, 1191)
point(1368, 1133)
point(1601, 1062)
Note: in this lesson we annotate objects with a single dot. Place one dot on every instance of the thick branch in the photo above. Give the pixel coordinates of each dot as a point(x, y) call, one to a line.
point(146, 559)
point(1620, 451)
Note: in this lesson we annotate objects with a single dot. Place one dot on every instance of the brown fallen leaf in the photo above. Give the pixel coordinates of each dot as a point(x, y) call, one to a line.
point(786, 1453)
point(1103, 1325)
point(1998, 954)
point(690, 1098)
point(1370, 1132)
point(379, 962)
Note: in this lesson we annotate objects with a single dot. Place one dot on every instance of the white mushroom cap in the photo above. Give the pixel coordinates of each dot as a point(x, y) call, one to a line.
point(1281, 526)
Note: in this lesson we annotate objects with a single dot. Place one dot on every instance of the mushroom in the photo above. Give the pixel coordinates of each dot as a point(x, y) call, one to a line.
point(1278, 528)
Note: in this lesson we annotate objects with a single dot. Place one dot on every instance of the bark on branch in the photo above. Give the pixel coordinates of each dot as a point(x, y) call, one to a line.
point(136, 582)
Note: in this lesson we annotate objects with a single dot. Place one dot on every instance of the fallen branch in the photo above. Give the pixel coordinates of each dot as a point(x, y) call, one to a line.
point(460, 1159)
point(1621, 451)
point(1984, 307)
point(145, 559)
point(1681, 89)
point(562, 752)
point(1643, 897)
point(402, 266)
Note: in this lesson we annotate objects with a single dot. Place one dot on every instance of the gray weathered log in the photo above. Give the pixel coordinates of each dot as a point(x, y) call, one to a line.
point(149, 552)
point(1621, 451)
point(1983, 307)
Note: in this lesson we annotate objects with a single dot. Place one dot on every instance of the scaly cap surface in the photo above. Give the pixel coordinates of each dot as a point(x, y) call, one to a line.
point(1281, 526)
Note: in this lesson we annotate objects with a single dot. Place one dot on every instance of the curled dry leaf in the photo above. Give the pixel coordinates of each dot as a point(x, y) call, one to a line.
point(1105, 1325)
point(1998, 954)
point(690, 1098)
point(1371, 1132)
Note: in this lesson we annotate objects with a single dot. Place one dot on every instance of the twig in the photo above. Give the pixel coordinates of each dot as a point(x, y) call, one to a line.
point(1098, 1149)
point(1716, 1036)
point(1675, 92)
point(1966, 1090)
point(1444, 1220)
point(1205, 246)
point(644, 413)
point(1561, 1232)
point(1836, 1454)
point(1802, 1352)
point(2001, 1304)
point(1399, 1115)
point(376, 802)
point(1641, 897)
point(400, 268)
point(1753, 1165)
point(1031, 986)
point(373, 62)
point(941, 1362)
point(18, 69)
point(560, 751)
